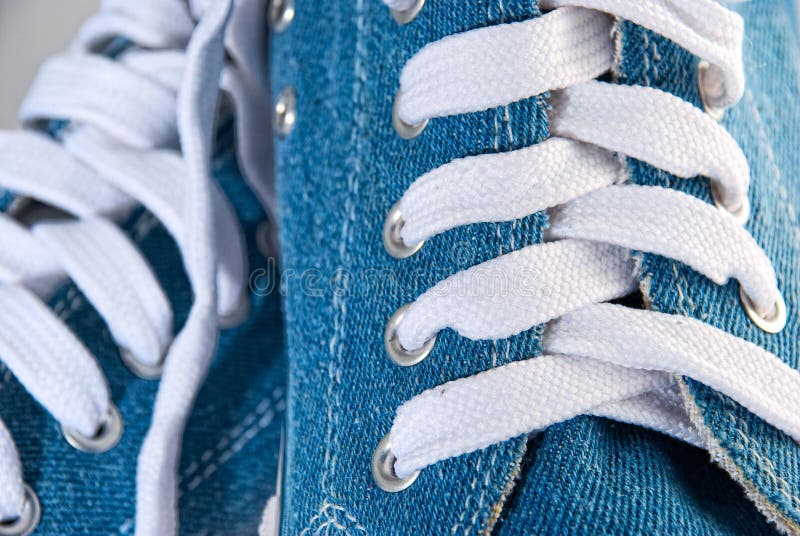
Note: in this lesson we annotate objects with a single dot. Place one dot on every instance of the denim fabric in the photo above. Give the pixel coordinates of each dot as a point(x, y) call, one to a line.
point(766, 124)
point(792, 9)
point(628, 468)
point(229, 463)
point(339, 172)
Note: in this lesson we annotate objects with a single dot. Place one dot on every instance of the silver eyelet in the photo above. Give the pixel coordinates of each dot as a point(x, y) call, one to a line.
point(716, 113)
point(740, 214)
point(404, 16)
point(106, 437)
point(285, 111)
point(142, 370)
point(773, 323)
point(392, 240)
point(28, 519)
point(406, 131)
point(383, 468)
point(281, 13)
point(396, 352)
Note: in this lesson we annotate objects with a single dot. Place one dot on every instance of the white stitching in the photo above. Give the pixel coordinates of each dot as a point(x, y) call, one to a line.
point(262, 409)
point(267, 417)
point(777, 176)
point(763, 463)
point(335, 347)
point(330, 511)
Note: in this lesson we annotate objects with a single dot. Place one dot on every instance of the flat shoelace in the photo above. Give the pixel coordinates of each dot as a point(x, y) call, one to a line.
point(138, 132)
point(599, 358)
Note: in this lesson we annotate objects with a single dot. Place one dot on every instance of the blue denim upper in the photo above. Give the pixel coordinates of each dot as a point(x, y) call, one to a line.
point(765, 123)
point(340, 171)
point(229, 461)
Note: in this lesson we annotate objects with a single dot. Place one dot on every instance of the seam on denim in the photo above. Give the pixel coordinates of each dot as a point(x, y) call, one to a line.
point(509, 130)
point(656, 59)
point(763, 136)
point(472, 485)
point(496, 132)
point(329, 510)
point(234, 440)
point(718, 453)
point(143, 226)
point(238, 436)
point(682, 297)
point(336, 345)
point(247, 436)
point(481, 500)
point(6, 375)
point(646, 58)
point(497, 508)
point(511, 483)
point(65, 307)
point(721, 457)
point(763, 463)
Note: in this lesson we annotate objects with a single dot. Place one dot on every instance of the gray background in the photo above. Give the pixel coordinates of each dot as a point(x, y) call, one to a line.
point(30, 31)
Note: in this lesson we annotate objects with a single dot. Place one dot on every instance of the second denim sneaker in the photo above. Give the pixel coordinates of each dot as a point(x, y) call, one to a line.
point(541, 266)
point(131, 224)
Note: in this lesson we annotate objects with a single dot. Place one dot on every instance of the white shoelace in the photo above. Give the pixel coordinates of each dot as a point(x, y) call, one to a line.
point(599, 358)
point(139, 133)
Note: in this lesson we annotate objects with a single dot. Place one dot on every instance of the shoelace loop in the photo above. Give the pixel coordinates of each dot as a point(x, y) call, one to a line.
point(599, 359)
point(124, 119)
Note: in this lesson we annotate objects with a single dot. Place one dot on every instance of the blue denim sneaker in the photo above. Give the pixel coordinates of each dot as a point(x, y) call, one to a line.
point(540, 266)
point(137, 231)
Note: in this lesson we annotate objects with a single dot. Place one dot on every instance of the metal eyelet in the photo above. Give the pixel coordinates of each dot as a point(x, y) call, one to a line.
point(740, 214)
point(405, 130)
point(30, 515)
point(285, 111)
point(143, 370)
point(107, 435)
point(392, 240)
point(404, 16)
point(383, 468)
point(281, 13)
point(28, 519)
point(716, 113)
point(397, 353)
point(773, 323)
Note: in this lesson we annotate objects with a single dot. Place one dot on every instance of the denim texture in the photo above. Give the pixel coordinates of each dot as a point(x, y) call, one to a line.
point(633, 468)
point(765, 123)
point(339, 172)
point(229, 461)
point(792, 9)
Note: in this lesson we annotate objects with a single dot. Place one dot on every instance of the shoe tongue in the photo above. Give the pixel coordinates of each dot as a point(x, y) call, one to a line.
point(765, 124)
point(340, 173)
